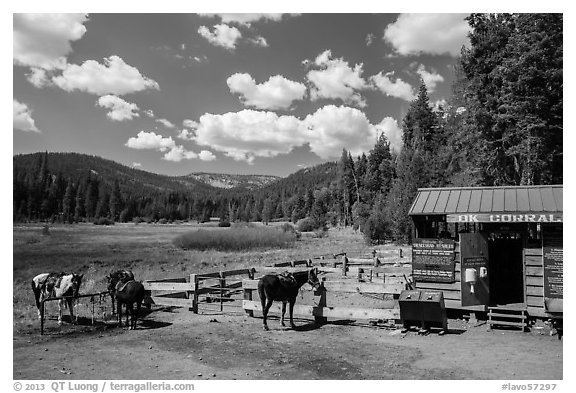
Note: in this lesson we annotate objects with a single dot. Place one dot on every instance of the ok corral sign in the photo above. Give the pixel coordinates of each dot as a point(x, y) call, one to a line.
point(512, 217)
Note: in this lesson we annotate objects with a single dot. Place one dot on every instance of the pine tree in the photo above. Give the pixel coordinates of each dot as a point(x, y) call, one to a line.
point(68, 202)
point(115, 201)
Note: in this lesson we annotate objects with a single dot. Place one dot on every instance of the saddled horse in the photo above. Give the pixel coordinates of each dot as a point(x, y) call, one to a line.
point(51, 285)
point(129, 293)
point(119, 276)
point(284, 288)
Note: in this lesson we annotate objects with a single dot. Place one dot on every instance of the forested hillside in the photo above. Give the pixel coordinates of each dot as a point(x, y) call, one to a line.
point(503, 125)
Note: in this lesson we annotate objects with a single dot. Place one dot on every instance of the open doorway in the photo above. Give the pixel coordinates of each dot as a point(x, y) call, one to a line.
point(506, 268)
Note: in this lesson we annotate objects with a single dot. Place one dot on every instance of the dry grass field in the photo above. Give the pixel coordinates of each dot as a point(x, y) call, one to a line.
point(173, 343)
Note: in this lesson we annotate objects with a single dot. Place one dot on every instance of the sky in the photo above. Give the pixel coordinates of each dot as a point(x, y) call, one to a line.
point(224, 93)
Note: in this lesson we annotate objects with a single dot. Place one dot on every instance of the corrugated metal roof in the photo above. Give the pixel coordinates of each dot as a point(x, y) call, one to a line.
point(511, 199)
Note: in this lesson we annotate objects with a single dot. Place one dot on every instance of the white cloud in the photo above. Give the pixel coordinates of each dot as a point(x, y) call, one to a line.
point(389, 126)
point(370, 39)
point(185, 134)
point(178, 153)
point(276, 93)
point(136, 165)
point(22, 118)
point(149, 113)
point(223, 35)
point(397, 88)
point(190, 123)
point(259, 41)
point(43, 40)
point(206, 155)
point(248, 134)
point(150, 141)
point(119, 109)
point(431, 79)
point(113, 77)
point(166, 123)
point(39, 77)
point(332, 128)
point(246, 18)
point(335, 79)
point(435, 34)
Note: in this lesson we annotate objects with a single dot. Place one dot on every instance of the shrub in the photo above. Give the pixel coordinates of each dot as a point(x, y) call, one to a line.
point(309, 224)
point(235, 239)
point(103, 221)
point(224, 224)
point(162, 221)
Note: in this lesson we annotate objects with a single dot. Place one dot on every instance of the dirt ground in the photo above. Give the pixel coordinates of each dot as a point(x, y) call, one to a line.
point(173, 343)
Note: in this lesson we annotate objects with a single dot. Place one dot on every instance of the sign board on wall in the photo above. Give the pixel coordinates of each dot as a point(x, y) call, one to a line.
point(553, 259)
point(433, 260)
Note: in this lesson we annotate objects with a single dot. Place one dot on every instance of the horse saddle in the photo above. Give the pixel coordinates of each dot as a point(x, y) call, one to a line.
point(287, 280)
point(122, 285)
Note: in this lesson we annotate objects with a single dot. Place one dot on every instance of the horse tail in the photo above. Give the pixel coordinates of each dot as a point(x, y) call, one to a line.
point(262, 294)
point(36, 291)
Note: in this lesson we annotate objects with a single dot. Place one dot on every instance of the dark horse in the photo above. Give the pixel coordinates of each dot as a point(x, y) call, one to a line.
point(122, 276)
point(129, 293)
point(284, 288)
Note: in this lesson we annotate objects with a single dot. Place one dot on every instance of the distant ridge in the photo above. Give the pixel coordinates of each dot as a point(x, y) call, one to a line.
point(228, 181)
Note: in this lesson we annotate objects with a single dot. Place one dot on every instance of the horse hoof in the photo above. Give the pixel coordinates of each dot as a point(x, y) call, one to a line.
point(292, 326)
point(266, 328)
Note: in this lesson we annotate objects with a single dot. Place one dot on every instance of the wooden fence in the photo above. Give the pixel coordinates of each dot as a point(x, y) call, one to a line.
point(224, 291)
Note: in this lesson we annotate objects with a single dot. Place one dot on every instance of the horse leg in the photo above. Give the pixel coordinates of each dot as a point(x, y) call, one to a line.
point(292, 301)
point(60, 303)
point(71, 308)
point(119, 310)
point(138, 305)
point(113, 303)
point(265, 312)
point(129, 315)
point(283, 312)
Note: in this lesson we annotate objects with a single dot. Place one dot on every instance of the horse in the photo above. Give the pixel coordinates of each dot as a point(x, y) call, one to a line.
point(284, 288)
point(51, 285)
point(122, 276)
point(129, 293)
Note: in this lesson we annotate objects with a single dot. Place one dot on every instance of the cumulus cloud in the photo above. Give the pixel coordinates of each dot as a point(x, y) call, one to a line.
point(151, 141)
point(149, 113)
point(166, 123)
point(431, 79)
point(370, 39)
point(22, 118)
point(222, 35)
point(136, 165)
point(248, 134)
point(43, 41)
point(259, 41)
point(435, 34)
point(276, 93)
point(178, 153)
point(119, 109)
point(190, 123)
point(206, 155)
point(335, 79)
point(332, 128)
point(185, 135)
point(113, 77)
point(397, 88)
point(389, 126)
point(246, 19)
point(172, 152)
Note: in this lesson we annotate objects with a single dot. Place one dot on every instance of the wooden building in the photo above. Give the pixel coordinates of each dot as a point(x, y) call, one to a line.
point(491, 247)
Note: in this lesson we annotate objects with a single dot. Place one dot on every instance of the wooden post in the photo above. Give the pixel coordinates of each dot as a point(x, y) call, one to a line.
point(321, 292)
point(360, 273)
point(194, 284)
point(376, 261)
point(248, 293)
point(222, 284)
point(344, 266)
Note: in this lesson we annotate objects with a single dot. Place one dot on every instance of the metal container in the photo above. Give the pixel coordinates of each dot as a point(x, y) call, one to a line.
point(410, 309)
point(433, 310)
